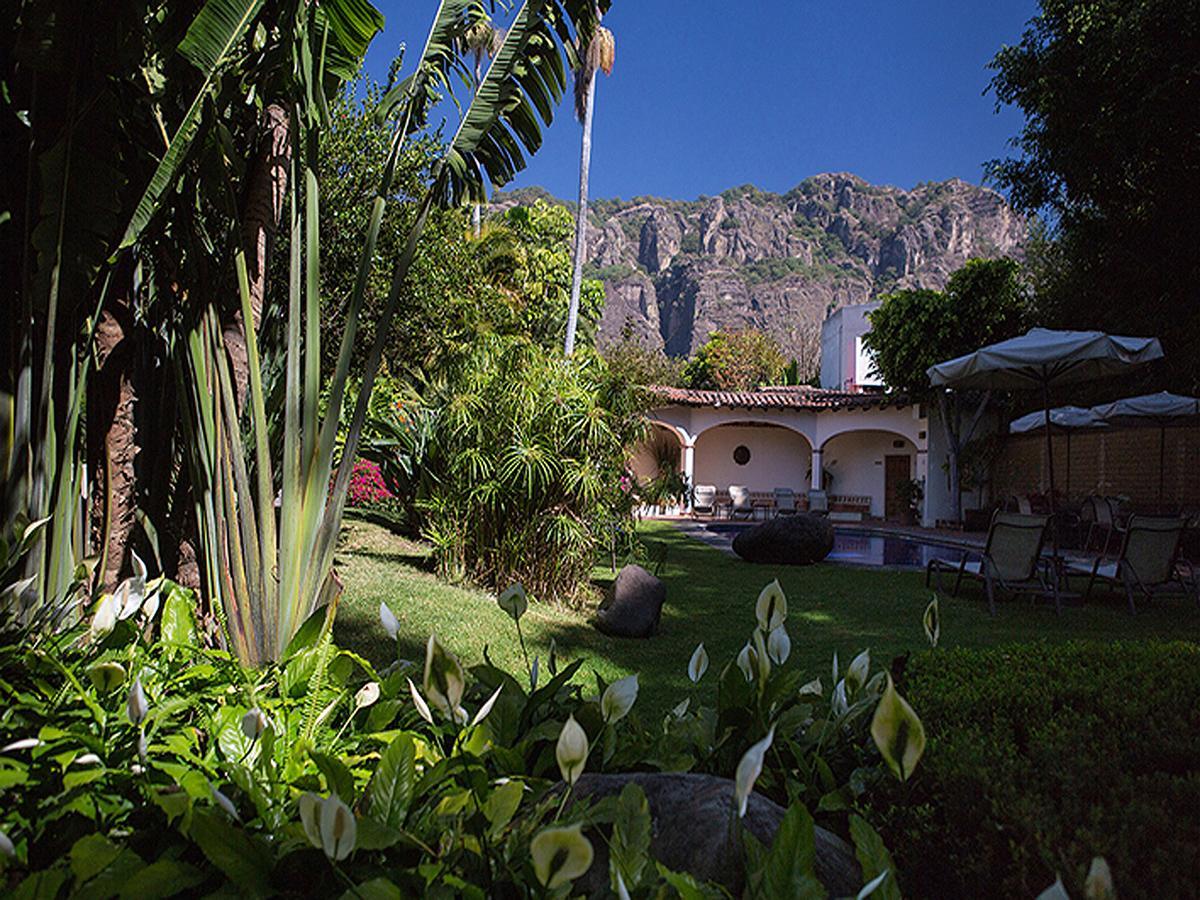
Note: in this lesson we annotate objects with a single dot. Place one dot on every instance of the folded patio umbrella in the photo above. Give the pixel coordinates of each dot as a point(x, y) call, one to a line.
point(1066, 419)
point(1043, 359)
point(1151, 411)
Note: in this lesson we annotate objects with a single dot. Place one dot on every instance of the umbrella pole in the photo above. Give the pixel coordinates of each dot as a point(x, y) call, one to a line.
point(1162, 464)
point(1050, 468)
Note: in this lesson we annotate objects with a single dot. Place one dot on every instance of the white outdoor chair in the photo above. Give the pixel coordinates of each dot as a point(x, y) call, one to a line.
point(704, 500)
point(785, 502)
point(741, 506)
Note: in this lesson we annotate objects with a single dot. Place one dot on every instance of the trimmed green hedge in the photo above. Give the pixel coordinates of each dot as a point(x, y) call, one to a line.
point(1041, 757)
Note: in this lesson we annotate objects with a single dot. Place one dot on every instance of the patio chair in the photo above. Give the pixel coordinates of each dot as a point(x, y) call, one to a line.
point(704, 500)
point(1101, 515)
point(1148, 561)
point(1011, 559)
point(785, 502)
point(741, 506)
point(818, 503)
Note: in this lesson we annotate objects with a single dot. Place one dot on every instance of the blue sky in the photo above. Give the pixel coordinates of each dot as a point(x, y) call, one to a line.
point(706, 96)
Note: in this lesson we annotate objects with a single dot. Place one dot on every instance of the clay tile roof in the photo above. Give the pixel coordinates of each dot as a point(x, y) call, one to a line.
point(783, 397)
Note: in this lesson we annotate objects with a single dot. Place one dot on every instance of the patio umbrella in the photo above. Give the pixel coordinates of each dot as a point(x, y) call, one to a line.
point(1151, 410)
point(1042, 359)
point(1066, 419)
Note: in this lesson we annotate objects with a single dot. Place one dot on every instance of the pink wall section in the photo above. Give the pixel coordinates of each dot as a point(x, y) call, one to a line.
point(779, 457)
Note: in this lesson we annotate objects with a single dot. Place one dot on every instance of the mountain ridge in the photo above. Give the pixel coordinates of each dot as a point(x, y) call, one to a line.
point(676, 270)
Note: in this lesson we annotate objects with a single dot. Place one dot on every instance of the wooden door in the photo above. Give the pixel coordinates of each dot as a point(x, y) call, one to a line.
point(896, 470)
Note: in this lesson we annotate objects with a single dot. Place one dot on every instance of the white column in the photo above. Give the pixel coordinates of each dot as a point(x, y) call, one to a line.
point(816, 469)
point(689, 469)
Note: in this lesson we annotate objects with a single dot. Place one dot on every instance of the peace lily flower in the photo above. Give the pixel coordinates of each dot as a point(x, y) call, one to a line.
point(745, 662)
point(486, 708)
point(419, 702)
point(533, 675)
point(748, 770)
point(143, 750)
point(771, 608)
point(779, 646)
point(514, 601)
point(856, 675)
point(682, 708)
point(812, 689)
point(932, 622)
point(86, 759)
point(367, 695)
point(571, 751)
point(1099, 882)
point(873, 885)
point(698, 664)
point(445, 680)
point(105, 618)
point(328, 824)
point(897, 732)
point(107, 676)
point(254, 723)
point(618, 699)
point(6, 846)
point(560, 855)
point(225, 803)
point(838, 702)
point(622, 891)
point(22, 744)
point(136, 705)
point(390, 623)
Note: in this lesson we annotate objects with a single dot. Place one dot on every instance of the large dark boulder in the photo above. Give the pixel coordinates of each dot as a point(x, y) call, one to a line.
point(798, 540)
point(692, 820)
point(634, 604)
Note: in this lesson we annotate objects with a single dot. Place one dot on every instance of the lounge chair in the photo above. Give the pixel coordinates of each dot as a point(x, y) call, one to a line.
point(740, 504)
point(818, 503)
point(1011, 559)
point(704, 500)
point(785, 502)
point(1101, 514)
point(1148, 561)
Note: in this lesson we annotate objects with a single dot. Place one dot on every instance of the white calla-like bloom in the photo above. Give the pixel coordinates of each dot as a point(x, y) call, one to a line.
point(779, 645)
point(6, 846)
point(771, 608)
point(367, 695)
point(445, 681)
point(812, 689)
point(254, 723)
point(135, 705)
point(698, 664)
point(618, 699)
point(571, 751)
point(514, 601)
point(748, 770)
point(105, 618)
point(225, 803)
point(86, 759)
point(856, 675)
point(560, 855)
point(388, 618)
point(681, 709)
point(22, 744)
point(310, 817)
point(419, 703)
point(745, 661)
point(486, 708)
point(339, 830)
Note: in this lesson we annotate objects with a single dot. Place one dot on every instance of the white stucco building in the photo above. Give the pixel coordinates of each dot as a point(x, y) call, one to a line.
point(849, 437)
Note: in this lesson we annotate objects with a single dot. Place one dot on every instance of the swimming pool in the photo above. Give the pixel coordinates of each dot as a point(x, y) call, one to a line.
point(865, 548)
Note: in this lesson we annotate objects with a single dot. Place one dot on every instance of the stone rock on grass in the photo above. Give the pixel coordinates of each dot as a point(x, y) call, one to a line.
point(634, 604)
point(692, 819)
point(798, 540)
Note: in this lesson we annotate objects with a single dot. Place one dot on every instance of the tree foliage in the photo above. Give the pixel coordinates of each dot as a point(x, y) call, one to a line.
point(1111, 94)
point(736, 361)
point(985, 301)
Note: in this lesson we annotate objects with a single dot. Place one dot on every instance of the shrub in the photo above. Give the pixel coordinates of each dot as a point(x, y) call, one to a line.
point(521, 462)
point(1040, 758)
point(367, 486)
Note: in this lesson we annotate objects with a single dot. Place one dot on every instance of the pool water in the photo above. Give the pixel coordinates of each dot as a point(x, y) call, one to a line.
point(863, 548)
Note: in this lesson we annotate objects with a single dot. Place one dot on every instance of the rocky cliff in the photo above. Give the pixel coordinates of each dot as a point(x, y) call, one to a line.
point(674, 271)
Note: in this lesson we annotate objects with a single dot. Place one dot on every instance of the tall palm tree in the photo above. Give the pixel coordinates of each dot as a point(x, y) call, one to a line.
point(599, 54)
point(482, 39)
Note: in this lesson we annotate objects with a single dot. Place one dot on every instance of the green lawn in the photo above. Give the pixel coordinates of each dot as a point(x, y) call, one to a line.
point(710, 598)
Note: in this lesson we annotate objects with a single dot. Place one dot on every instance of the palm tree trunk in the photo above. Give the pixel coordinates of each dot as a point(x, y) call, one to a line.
point(112, 435)
point(585, 162)
point(260, 217)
